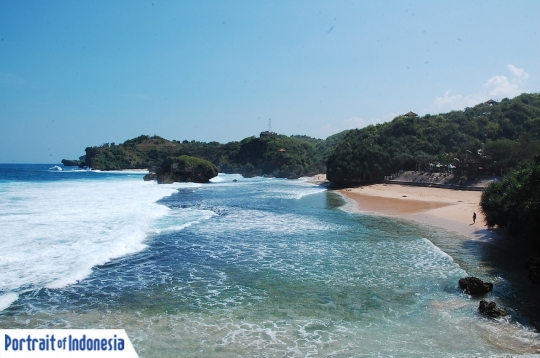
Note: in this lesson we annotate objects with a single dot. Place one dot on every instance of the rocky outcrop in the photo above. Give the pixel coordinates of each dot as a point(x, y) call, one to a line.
point(184, 169)
point(474, 286)
point(250, 172)
point(71, 163)
point(150, 176)
point(533, 269)
point(491, 309)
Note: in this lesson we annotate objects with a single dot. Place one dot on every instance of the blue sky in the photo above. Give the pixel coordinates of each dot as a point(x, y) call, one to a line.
point(81, 73)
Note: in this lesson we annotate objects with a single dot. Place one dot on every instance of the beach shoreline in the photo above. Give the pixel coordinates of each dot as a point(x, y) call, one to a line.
point(450, 209)
point(318, 179)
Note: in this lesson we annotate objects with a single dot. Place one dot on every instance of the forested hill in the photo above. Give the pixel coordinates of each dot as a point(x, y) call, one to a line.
point(270, 154)
point(488, 137)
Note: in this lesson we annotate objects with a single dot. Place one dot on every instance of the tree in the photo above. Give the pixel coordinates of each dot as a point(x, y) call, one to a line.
point(514, 203)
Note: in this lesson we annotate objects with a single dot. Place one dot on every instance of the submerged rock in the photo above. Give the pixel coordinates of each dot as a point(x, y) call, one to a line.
point(474, 286)
point(490, 309)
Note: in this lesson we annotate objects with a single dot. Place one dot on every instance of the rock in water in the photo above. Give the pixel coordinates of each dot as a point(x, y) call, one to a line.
point(474, 286)
point(70, 163)
point(490, 309)
point(533, 269)
point(185, 169)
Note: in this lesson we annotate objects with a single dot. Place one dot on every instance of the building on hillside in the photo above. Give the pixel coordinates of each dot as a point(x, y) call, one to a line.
point(410, 114)
point(267, 134)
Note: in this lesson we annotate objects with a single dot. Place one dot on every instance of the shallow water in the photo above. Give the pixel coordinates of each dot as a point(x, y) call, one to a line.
point(257, 267)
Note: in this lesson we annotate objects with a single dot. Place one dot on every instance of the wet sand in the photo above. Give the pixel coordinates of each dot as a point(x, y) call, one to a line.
point(447, 208)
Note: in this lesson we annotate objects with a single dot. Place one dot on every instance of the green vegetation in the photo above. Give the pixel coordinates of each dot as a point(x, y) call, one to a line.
point(274, 155)
point(193, 163)
point(184, 169)
point(514, 202)
point(484, 138)
point(487, 138)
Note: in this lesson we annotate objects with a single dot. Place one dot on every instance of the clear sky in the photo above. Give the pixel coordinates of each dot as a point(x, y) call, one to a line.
point(81, 73)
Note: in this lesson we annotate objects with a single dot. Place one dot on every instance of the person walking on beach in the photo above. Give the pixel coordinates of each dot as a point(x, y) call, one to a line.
point(474, 218)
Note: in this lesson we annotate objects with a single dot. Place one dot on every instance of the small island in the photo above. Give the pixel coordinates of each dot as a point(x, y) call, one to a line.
point(183, 169)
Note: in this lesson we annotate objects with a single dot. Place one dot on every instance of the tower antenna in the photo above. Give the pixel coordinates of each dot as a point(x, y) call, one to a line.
point(269, 124)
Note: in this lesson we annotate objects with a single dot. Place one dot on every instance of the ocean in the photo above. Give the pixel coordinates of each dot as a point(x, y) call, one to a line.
point(258, 267)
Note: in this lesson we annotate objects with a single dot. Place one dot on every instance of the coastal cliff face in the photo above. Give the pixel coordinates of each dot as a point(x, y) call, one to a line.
point(184, 169)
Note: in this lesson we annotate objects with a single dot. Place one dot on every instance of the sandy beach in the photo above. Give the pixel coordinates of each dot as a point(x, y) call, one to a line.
point(446, 208)
point(450, 209)
point(318, 179)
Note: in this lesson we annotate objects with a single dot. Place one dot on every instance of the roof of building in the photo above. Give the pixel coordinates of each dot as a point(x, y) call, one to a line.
point(411, 114)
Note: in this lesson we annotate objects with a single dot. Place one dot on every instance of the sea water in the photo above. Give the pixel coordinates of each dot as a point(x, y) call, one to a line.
point(256, 267)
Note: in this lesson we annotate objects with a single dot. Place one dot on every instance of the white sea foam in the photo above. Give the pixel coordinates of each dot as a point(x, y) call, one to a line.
point(268, 222)
point(222, 177)
point(429, 257)
point(180, 219)
point(289, 189)
point(53, 233)
point(124, 171)
point(296, 191)
point(7, 299)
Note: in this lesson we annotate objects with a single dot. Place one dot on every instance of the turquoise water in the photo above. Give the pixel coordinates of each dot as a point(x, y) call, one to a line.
point(257, 267)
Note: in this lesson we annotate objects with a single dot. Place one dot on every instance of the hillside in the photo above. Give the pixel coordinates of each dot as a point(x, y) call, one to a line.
point(272, 155)
point(486, 138)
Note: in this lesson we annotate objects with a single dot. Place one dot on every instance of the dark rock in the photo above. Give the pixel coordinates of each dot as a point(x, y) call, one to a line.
point(474, 286)
point(249, 172)
point(185, 169)
point(234, 180)
point(533, 269)
point(150, 176)
point(490, 309)
point(70, 163)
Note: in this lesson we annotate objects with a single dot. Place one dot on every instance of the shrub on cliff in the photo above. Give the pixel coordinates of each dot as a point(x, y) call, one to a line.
point(186, 169)
point(514, 202)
